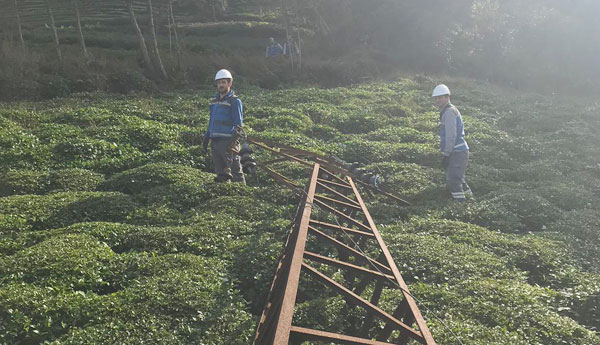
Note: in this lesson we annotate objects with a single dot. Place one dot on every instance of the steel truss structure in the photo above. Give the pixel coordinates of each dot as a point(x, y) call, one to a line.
point(335, 242)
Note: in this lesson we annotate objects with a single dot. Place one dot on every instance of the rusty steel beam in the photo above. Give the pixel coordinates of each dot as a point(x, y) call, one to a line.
point(347, 248)
point(294, 254)
point(363, 303)
point(275, 326)
point(338, 202)
point(280, 178)
point(270, 149)
point(331, 190)
point(412, 304)
point(342, 215)
point(342, 228)
point(344, 265)
point(368, 322)
point(335, 184)
point(334, 176)
point(311, 334)
point(282, 333)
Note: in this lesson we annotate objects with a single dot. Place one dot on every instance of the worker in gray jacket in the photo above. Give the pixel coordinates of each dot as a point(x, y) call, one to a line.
point(453, 146)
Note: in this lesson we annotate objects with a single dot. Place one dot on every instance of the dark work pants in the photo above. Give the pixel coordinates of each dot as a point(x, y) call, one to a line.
point(226, 163)
point(455, 175)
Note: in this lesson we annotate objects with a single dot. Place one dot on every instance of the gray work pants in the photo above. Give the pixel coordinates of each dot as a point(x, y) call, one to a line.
point(227, 165)
point(455, 175)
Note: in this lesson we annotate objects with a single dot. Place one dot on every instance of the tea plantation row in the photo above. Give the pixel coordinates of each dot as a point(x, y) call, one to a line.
point(112, 231)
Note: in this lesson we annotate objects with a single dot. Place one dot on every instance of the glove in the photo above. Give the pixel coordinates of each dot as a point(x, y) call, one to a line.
point(205, 143)
point(445, 161)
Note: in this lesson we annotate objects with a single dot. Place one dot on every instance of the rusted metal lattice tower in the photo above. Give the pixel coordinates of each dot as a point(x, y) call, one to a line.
point(333, 231)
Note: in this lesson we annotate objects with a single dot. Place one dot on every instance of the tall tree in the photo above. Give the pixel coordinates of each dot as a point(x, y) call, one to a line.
point(140, 36)
point(79, 31)
point(156, 53)
point(173, 25)
point(20, 30)
point(53, 27)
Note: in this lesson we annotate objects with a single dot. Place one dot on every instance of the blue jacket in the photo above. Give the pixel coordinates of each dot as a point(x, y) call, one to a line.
point(225, 115)
point(274, 50)
point(452, 132)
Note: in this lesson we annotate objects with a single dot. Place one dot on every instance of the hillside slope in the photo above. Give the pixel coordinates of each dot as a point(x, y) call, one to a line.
point(111, 229)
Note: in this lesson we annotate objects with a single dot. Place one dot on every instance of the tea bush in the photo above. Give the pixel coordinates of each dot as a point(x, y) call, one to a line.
point(60, 209)
point(152, 175)
point(74, 261)
point(164, 255)
point(23, 182)
point(74, 180)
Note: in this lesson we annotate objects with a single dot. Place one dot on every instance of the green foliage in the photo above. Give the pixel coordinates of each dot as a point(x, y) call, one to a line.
point(17, 182)
point(514, 211)
point(68, 261)
point(152, 175)
point(34, 314)
point(165, 255)
point(74, 180)
point(61, 209)
point(23, 182)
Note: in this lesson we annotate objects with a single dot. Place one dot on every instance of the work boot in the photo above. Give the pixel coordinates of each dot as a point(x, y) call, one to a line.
point(223, 178)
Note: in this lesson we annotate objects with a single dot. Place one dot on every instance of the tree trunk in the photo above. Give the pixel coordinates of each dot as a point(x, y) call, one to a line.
point(140, 36)
point(20, 30)
point(53, 27)
point(169, 26)
point(214, 11)
point(80, 32)
point(158, 62)
point(177, 46)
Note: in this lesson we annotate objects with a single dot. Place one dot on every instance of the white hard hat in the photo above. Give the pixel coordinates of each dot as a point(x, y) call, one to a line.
point(440, 90)
point(223, 74)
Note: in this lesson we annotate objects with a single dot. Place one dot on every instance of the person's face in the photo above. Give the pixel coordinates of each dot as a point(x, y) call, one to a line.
point(272, 40)
point(441, 101)
point(223, 85)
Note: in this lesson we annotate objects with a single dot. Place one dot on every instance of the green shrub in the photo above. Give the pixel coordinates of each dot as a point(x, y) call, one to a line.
point(75, 261)
point(52, 86)
point(243, 207)
point(256, 259)
point(175, 154)
point(128, 80)
point(74, 180)
point(372, 151)
point(12, 222)
point(199, 302)
point(61, 209)
point(20, 149)
point(513, 211)
point(95, 206)
point(32, 314)
point(99, 155)
point(540, 258)
point(136, 331)
point(399, 134)
point(156, 214)
point(434, 259)
point(520, 307)
point(407, 179)
point(15, 182)
point(145, 135)
point(55, 132)
point(152, 175)
point(579, 229)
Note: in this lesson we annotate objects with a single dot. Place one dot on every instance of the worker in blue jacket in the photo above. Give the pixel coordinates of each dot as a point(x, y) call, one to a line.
point(454, 148)
point(226, 114)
